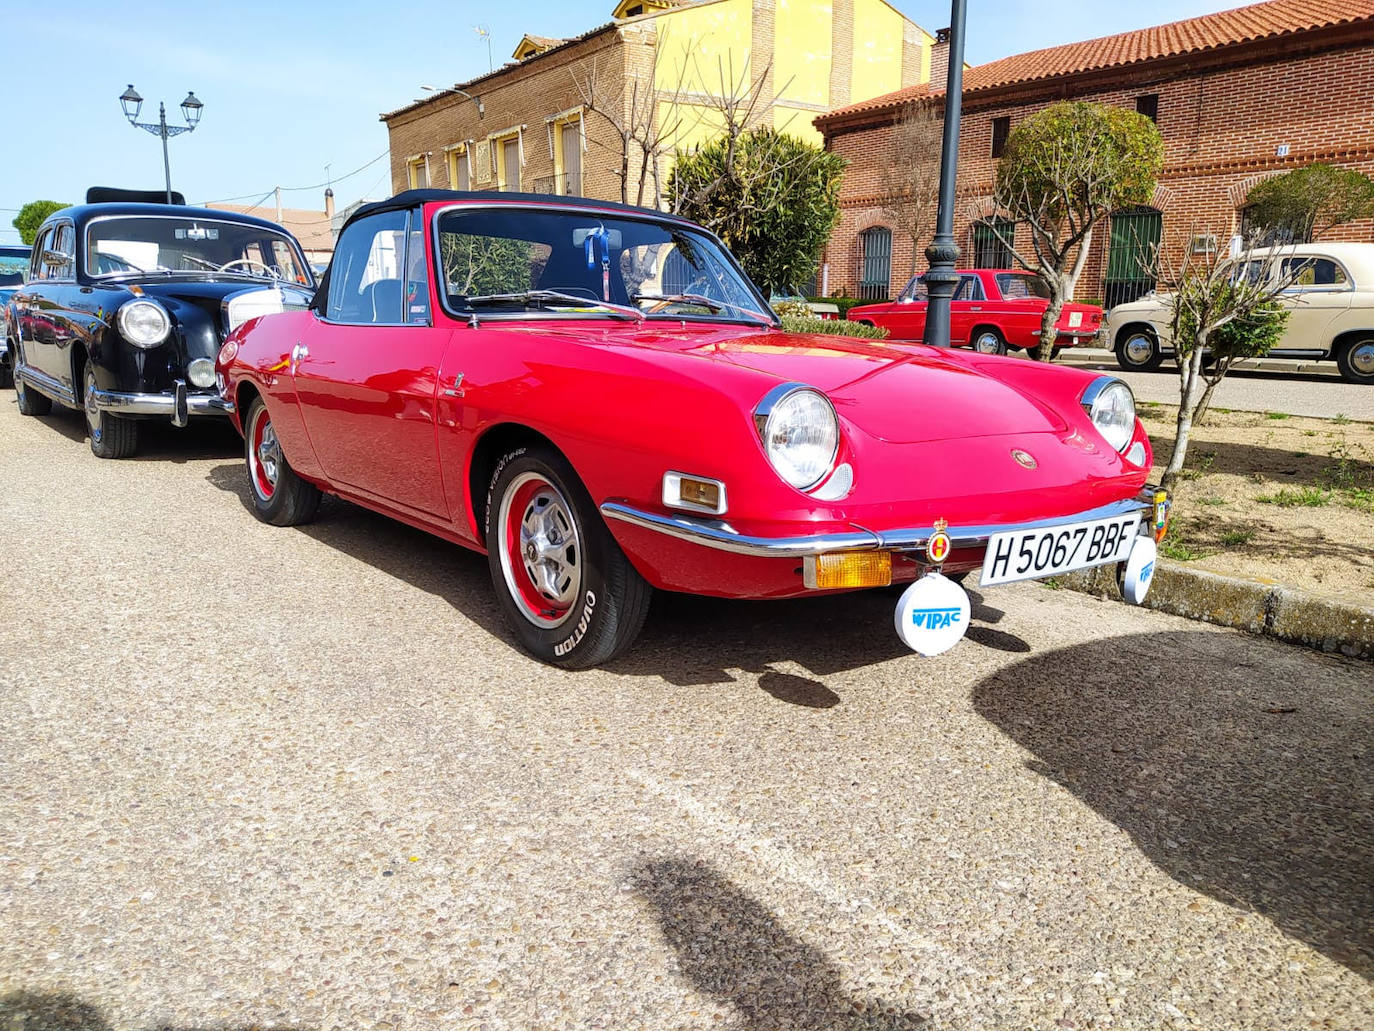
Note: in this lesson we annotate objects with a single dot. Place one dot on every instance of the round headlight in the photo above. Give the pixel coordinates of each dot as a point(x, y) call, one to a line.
point(201, 372)
point(801, 434)
point(1113, 413)
point(144, 323)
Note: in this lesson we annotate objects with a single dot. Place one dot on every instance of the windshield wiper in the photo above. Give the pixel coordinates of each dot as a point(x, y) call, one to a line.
point(705, 302)
point(554, 295)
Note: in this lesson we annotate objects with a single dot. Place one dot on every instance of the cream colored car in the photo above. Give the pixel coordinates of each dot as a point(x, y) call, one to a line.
point(1330, 303)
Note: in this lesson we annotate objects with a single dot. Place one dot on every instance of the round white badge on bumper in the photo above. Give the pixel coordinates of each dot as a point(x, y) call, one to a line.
point(1138, 571)
point(932, 615)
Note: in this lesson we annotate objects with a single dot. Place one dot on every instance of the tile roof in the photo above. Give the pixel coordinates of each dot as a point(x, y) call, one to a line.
point(1193, 35)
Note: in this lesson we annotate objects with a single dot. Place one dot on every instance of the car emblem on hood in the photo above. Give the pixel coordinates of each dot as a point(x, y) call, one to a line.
point(1024, 458)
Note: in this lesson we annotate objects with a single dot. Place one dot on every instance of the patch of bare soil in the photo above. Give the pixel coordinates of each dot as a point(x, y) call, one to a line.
point(1273, 497)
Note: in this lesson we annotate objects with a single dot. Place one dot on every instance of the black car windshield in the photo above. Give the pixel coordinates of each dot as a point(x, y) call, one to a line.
point(1017, 286)
point(121, 245)
point(495, 260)
point(14, 265)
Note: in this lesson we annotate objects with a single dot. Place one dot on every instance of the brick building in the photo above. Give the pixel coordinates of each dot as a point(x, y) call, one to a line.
point(1238, 96)
point(660, 64)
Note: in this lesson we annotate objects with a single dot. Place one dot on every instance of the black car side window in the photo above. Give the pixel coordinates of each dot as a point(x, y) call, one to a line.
point(37, 269)
point(365, 286)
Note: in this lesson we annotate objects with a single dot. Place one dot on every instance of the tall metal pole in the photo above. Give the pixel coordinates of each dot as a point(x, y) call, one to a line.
point(942, 254)
point(166, 161)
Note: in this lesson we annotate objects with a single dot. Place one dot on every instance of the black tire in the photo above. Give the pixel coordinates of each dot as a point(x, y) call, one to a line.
point(31, 402)
point(564, 585)
point(280, 497)
point(1033, 352)
point(6, 377)
point(1356, 361)
point(988, 340)
point(1137, 349)
point(111, 436)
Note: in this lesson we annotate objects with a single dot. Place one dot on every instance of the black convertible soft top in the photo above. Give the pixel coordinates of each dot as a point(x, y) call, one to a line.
point(413, 198)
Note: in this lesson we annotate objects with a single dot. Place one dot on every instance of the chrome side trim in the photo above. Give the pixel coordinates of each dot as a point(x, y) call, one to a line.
point(721, 536)
point(45, 384)
point(161, 404)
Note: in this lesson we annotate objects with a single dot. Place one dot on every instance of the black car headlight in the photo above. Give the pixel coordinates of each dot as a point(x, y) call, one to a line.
point(143, 322)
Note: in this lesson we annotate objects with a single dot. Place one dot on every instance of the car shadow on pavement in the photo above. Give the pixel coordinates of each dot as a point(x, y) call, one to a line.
point(62, 1011)
point(732, 949)
point(158, 439)
point(706, 638)
point(1236, 768)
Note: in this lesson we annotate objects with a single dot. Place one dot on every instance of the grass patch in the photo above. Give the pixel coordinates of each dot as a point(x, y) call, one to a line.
point(1361, 499)
point(1297, 497)
point(1239, 536)
point(1180, 550)
point(1276, 415)
point(1341, 419)
point(1211, 501)
point(1202, 468)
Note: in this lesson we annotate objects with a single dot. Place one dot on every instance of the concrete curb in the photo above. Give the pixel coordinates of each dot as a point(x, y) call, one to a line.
point(1256, 606)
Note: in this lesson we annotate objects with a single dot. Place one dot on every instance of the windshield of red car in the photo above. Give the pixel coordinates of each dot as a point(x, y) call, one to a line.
point(1016, 286)
point(121, 245)
point(491, 257)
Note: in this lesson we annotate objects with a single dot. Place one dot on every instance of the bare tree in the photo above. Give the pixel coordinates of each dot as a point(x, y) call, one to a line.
point(911, 178)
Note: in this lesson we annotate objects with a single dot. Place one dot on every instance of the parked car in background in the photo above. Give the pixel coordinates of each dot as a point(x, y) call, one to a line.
point(126, 306)
point(1330, 302)
point(597, 397)
point(14, 270)
point(993, 311)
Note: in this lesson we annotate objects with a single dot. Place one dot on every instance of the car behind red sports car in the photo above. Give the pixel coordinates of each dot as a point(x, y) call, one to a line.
point(598, 398)
point(993, 310)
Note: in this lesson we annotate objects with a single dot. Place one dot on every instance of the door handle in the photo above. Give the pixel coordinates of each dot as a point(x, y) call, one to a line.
point(456, 390)
point(297, 353)
point(977, 307)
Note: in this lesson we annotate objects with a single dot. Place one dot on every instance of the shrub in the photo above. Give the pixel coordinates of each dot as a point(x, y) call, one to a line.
point(833, 327)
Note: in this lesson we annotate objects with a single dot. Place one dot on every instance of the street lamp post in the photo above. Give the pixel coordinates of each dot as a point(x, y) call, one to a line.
point(943, 252)
point(191, 109)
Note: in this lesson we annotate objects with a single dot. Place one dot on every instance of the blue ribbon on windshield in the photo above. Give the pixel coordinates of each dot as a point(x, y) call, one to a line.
point(600, 235)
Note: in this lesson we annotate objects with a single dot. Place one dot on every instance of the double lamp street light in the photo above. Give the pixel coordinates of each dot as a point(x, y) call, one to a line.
point(191, 109)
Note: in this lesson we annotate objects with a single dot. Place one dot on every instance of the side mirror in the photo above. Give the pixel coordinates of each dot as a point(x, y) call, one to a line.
point(905, 299)
point(57, 259)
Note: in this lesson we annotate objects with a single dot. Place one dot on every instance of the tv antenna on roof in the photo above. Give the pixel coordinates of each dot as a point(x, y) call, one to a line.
point(483, 32)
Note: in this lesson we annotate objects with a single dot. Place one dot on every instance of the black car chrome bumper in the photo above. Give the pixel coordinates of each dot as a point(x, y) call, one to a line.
point(721, 536)
point(177, 404)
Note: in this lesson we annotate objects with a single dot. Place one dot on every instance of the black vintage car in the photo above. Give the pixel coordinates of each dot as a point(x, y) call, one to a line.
point(127, 304)
point(14, 269)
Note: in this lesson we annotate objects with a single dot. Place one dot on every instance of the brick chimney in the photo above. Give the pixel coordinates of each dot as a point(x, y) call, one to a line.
point(939, 60)
point(329, 203)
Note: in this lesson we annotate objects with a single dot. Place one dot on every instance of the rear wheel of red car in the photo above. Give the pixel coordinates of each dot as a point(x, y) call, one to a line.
point(111, 436)
point(988, 340)
point(1355, 360)
point(1033, 352)
point(280, 497)
point(1137, 350)
point(566, 588)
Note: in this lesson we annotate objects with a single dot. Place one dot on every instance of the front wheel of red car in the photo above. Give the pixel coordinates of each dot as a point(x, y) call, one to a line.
point(280, 497)
point(566, 588)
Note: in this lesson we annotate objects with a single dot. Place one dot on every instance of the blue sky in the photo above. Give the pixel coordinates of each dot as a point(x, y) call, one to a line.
point(292, 88)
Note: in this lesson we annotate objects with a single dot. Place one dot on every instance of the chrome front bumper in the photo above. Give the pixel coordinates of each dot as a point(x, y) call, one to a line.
point(721, 536)
point(178, 405)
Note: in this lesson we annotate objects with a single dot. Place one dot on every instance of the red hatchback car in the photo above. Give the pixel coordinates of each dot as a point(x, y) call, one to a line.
point(598, 398)
point(993, 310)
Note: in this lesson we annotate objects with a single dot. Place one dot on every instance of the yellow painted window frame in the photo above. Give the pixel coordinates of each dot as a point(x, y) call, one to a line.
point(556, 124)
point(455, 153)
point(497, 141)
point(413, 163)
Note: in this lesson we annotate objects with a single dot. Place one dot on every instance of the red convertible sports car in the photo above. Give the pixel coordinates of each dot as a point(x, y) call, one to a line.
point(597, 397)
point(993, 309)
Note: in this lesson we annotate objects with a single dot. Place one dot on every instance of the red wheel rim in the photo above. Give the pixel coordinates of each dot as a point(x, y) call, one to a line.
point(540, 549)
point(264, 455)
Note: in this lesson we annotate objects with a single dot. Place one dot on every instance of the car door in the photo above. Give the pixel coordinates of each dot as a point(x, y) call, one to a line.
point(965, 307)
point(905, 319)
point(366, 369)
point(46, 326)
point(1320, 294)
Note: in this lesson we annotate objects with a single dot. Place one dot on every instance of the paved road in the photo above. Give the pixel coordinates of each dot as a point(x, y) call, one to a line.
point(1312, 388)
point(301, 779)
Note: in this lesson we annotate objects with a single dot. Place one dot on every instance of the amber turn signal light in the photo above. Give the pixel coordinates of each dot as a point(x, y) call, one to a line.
point(847, 569)
point(700, 492)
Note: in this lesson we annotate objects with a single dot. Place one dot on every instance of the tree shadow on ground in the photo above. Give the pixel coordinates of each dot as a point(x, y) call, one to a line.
point(701, 639)
point(62, 1011)
point(732, 949)
point(1250, 783)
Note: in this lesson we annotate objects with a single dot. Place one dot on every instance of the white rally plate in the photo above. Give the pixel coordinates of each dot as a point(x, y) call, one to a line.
point(1032, 553)
point(932, 615)
point(1139, 571)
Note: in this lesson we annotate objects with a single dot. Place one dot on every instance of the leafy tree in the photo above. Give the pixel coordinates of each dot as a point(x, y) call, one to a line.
point(478, 265)
point(772, 198)
point(31, 216)
point(1065, 169)
point(1299, 205)
point(911, 175)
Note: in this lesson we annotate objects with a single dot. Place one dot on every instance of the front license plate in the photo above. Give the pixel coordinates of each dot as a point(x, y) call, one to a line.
point(1029, 554)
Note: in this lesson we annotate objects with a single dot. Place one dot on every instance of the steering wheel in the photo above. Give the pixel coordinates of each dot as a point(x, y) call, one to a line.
point(249, 263)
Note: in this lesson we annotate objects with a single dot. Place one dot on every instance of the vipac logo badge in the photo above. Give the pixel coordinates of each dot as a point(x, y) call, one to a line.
point(932, 615)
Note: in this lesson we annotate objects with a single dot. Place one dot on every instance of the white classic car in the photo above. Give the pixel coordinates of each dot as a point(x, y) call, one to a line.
point(1330, 303)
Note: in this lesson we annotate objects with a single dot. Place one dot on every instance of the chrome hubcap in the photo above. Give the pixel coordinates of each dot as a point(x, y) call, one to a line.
point(269, 454)
point(92, 412)
point(1139, 348)
point(1362, 358)
point(540, 551)
point(986, 343)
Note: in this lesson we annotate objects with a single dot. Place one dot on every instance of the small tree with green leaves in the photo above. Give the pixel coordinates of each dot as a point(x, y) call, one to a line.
point(1064, 170)
point(773, 199)
point(31, 216)
point(1300, 205)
